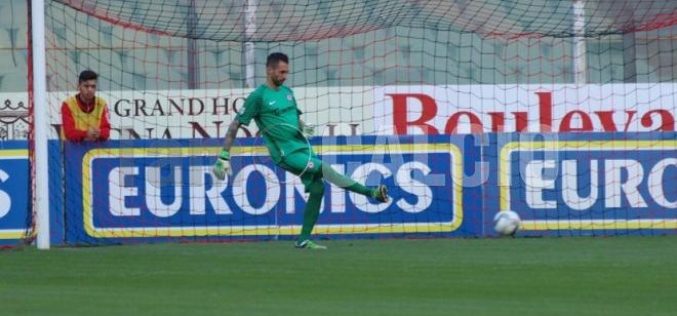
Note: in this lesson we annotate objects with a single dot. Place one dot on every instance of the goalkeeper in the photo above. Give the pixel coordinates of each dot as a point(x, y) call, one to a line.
point(275, 111)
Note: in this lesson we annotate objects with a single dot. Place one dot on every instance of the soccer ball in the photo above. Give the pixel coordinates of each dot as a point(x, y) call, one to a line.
point(506, 222)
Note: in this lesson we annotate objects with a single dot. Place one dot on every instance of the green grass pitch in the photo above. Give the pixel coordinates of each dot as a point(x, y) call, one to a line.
point(547, 276)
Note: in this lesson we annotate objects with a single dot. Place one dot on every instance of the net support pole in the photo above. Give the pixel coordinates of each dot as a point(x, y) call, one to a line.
point(580, 61)
point(40, 123)
point(249, 53)
point(629, 50)
point(193, 59)
point(629, 58)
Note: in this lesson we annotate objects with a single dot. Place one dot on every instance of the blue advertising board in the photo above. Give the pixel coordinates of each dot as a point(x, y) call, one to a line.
point(141, 189)
point(14, 190)
point(559, 184)
point(585, 184)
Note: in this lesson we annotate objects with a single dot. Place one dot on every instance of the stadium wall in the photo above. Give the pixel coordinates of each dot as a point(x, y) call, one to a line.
point(442, 185)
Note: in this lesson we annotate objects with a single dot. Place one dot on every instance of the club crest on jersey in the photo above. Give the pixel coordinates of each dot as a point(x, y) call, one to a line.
point(289, 97)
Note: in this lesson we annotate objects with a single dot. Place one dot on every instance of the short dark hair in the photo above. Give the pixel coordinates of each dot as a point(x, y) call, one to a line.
point(87, 75)
point(275, 58)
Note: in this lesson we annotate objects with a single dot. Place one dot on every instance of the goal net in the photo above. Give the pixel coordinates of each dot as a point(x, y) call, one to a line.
point(526, 78)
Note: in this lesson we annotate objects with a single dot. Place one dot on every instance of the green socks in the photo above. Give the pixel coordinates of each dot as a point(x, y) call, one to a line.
point(342, 181)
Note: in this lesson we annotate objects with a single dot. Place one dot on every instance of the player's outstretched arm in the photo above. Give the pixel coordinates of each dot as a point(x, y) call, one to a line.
point(222, 165)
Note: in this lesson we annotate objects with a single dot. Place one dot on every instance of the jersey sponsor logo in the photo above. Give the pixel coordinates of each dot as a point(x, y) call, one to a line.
point(616, 184)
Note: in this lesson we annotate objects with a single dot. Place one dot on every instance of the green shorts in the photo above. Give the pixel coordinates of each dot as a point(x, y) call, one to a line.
point(303, 164)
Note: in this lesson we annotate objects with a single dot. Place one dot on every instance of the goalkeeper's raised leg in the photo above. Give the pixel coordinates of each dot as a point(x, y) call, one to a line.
point(274, 109)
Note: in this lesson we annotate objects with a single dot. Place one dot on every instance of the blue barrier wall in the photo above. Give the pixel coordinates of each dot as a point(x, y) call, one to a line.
point(14, 191)
point(133, 190)
point(560, 184)
point(585, 184)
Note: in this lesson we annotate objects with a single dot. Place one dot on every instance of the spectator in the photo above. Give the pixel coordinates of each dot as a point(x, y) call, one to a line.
point(84, 115)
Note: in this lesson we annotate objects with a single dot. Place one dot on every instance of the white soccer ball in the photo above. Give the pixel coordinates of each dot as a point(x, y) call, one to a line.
point(506, 222)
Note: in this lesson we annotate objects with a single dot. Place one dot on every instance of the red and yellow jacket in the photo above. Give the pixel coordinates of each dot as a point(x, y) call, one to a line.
point(78, 117)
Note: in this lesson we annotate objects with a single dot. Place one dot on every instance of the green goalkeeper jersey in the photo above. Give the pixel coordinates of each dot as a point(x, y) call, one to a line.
point(277, 116)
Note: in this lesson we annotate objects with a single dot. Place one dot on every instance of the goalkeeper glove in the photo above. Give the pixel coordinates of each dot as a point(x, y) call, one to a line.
point(308, 131)
point(222, 165)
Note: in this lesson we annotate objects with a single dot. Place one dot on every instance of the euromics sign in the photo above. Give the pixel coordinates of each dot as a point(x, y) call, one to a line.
point(604, 183)
point(571, 183)
point(133, 189)
point(14, 190)
point(463, 109)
